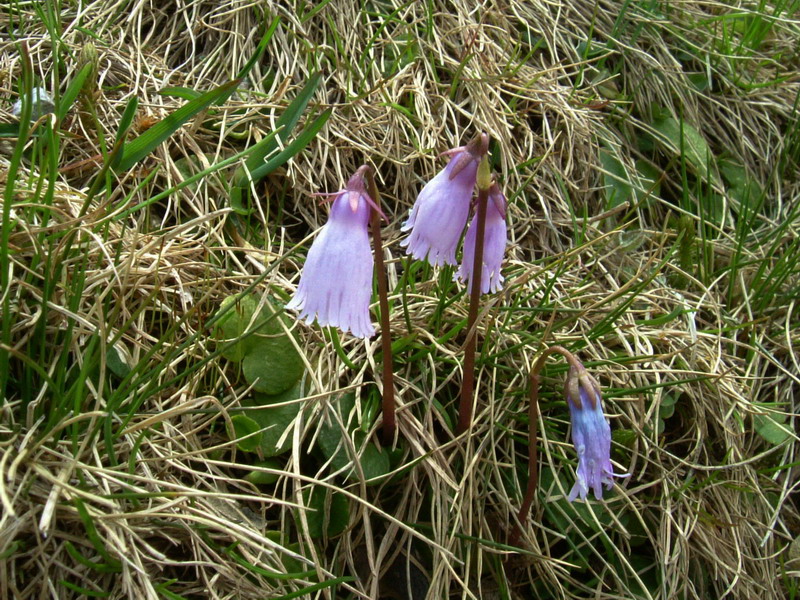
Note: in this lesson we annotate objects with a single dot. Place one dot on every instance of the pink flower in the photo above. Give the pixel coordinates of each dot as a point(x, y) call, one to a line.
point(494, 244)
point(591, 435)
point(336, 283)
point(440, 213)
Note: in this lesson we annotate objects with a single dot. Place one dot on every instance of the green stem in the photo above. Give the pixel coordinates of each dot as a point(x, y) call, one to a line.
point(6, 225)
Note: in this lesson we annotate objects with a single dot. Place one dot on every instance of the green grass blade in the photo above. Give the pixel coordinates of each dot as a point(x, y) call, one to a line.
point(268, 146)
point(124, 125)
point(295, 146)
point(85, 591)
point(158, 133)
point(73, 89)
point(5, 226)
point(315, 588)
point(262, 45)
point(183, 93)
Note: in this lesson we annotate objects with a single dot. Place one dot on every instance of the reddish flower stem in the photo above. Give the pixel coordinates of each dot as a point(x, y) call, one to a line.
point(533, 428)
point(388, 404)
point(468, 385)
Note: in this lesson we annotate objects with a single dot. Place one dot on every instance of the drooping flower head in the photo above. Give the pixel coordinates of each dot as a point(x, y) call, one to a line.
point(336, 283)
point(440, 213)
point(591, 434)
point(494, 244)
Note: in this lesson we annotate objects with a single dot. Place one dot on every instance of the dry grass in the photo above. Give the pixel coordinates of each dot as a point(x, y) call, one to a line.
point(708, 511)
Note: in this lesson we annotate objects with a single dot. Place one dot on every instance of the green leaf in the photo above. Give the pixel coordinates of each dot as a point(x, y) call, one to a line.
point(741, 186)
point(255, 167)
point(650, 179)
point(328, 514)
point(263, 478)
point(275, 415)
point(667, 407)
point(294, 147)
point(143, 145)
point(189, 166)
point(245, 432)
point(262, 45)
point(772, 427)
point(661, 425)
point(126, 120)
point(125, 123)
point(309, 590)
point(290, 564)
point(374, 462)
point(71, 93)
point(684, 140)
point(238, 323)
point(9, 129)
point(116, 362)
point(84, 591)
point(624, 437)
point(566, 516)
point(330, 433)
point(273, 364)
point(181, 92)
point(618, 188)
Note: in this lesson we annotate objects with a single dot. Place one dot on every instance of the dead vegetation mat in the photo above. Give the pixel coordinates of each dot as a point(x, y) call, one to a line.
point(576, 97)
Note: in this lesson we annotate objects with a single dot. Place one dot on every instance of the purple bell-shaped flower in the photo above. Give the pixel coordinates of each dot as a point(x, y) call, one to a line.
point(336, 284)
point(494, 244)
point(440, 213)
point(591, 435)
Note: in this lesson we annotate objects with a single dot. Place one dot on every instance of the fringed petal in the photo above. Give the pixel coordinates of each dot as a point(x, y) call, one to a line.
point(336, 285)
point(440, 213)
point(494, 247)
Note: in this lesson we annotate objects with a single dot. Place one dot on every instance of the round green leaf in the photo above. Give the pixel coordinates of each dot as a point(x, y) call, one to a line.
point(272, 365)
point(624, 437)
point(771, 427)
point(330, 433)
point(245, 432)
point(116, 362)
point(238, 321)
point(374, 462)
point(273, 421)
point(262, 478)
point(328, 514)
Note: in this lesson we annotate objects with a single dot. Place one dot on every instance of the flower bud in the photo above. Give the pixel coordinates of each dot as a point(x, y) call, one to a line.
point(88, 56)
point(591, 434)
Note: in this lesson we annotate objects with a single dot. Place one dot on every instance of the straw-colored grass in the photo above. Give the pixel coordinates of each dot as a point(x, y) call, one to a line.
point(685, 313)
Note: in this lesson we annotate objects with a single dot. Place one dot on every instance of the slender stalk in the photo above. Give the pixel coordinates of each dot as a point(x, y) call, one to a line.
point(533, 420)
point(388, 404)
point(533, 459)
point(467, 387)
point(6, 313)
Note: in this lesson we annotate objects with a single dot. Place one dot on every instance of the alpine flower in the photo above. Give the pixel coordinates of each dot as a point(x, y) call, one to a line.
point(440, 213)
point(336, 284)
point(494, 244)
point(591, 435)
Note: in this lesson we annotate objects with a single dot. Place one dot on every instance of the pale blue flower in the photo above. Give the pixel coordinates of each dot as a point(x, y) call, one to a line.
point(591, 435)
